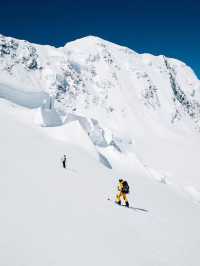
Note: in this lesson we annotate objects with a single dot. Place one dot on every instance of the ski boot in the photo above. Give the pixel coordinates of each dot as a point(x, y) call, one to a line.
point(118, 202)
point(127, 204)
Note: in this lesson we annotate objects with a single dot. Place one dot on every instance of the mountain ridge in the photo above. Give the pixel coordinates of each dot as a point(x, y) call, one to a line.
point(91, 73)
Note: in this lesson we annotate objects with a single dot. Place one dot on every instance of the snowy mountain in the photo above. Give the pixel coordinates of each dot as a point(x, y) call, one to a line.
point(91, 73)
point(116, 113)
point(116, 95)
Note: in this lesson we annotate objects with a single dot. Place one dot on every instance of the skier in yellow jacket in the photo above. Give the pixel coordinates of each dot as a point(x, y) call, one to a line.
point(123, 189)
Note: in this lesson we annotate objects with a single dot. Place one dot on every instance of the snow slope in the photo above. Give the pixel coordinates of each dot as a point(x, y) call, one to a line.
point(52, 216)
point(116, 114)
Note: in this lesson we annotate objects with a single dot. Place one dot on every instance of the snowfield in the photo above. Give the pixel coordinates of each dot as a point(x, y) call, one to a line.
point(116, 114)
point(52, 216)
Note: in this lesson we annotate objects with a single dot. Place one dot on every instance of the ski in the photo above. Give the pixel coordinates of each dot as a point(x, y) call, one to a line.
point(130, 207)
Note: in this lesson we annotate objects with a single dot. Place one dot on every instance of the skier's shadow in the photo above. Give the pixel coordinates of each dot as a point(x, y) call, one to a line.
point(138, 209)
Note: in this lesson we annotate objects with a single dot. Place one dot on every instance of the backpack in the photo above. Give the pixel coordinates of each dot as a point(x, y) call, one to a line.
point(125, 187)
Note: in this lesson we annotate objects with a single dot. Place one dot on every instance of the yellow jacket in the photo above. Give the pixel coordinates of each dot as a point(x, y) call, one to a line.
point(120, 186)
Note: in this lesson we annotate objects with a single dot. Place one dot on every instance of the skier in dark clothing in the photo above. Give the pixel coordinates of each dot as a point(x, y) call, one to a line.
point(64, 161)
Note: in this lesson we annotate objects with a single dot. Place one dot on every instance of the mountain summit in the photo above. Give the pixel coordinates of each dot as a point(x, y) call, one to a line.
point(91, 73)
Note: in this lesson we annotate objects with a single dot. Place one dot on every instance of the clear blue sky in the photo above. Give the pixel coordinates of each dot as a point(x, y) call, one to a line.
point(158, 27)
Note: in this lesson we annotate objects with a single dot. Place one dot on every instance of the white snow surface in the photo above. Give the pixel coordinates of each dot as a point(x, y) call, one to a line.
point(52, 216)
point(117, 114)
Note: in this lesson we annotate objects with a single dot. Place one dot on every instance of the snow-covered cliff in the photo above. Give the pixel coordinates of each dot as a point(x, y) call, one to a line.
point(100, 80)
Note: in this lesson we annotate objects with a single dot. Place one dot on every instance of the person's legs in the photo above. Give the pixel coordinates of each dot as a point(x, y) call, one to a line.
point(125, 199)
point(118, 198)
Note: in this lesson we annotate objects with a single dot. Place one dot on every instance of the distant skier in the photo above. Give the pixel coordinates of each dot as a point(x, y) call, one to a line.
point(123, 189)
point(64, 161)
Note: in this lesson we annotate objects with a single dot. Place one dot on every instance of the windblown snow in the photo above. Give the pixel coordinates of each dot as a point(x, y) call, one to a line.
point(116, 114)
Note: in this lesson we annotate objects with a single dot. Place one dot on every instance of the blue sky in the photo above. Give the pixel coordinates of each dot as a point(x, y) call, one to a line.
point(158, 27)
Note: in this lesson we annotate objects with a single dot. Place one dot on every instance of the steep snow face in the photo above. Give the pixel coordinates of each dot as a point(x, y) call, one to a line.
point(123, 85)
point(101, 80)
point(20, 73)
